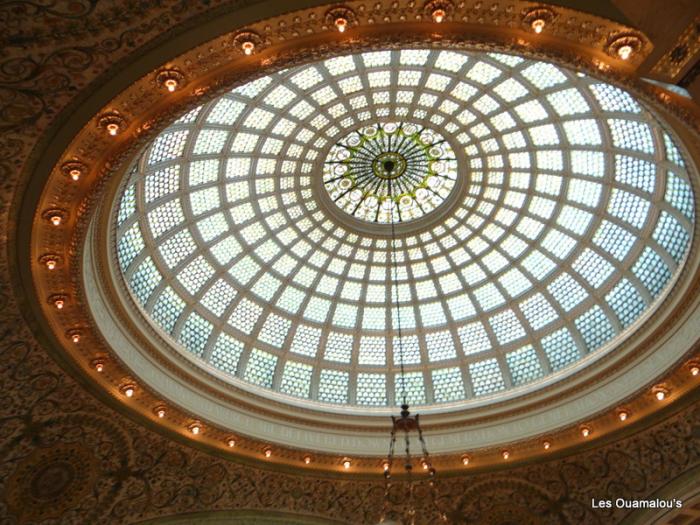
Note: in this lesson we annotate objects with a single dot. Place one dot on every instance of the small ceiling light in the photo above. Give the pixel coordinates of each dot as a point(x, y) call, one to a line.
point(424, 464)
point(75, 338)
point(268, 452)
point(59, 301)
point(439, 15)
point(196, 428)
point(248, 47)
point(341, 18)
point(50, 261)
point(438, 10)
point(55, 216)
point(505, 454)
point(112, 122)
point(386, 466)
point(99, 365)
point(74, 335)
point(585, 431)
point(231, 442)
point(160, 412)
point(307, 459)
point(346, 464)
point(660, 392)
point(341, 24)
point(694, 369)
point(465, 460)
point(622, 415)
point(129, 390)
point(623, 46)
point(537, 18)
point(624, 52)
point(170, 78)
point(538, 25)
point(546, 445)
point(73, 169)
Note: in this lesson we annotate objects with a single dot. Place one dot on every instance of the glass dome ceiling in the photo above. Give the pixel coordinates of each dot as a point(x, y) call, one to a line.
point(574, 217)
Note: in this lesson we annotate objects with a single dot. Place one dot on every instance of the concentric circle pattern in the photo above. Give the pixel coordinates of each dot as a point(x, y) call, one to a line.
point(390, 172)
point(574, 219)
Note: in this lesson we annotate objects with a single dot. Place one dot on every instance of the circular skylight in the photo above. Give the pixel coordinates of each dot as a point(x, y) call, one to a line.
point(574, 216)
point(390, 172)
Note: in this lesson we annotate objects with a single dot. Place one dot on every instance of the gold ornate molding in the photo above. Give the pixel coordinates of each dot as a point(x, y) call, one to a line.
point(684, 51)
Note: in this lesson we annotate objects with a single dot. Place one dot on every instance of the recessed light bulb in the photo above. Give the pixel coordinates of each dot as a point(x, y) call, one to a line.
point(341, 24)
point(59, 303)
point(694, 370)
point(248, 47)
point(75, 338)
point(161, 413)
point(99, 367)
point(129, 391)
point(55, 220)
point(505, 454)
point(51, 264)
point(346, 464)
point(439, 15)
point(585, 431)
point(74, 174)
point(538, 25)
point(170, 84)
point(546, 445)
point(307, 459)
point(231, 443)
point(112, 128)
point(660, 395)
point(622, 415)
point(268, 453)
point(624, 52)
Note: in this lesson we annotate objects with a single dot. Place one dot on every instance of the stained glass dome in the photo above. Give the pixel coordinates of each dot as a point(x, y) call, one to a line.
point(390, 172)
point(564, 209)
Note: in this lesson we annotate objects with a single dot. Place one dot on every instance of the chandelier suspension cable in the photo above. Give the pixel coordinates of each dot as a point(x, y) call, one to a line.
point(395, 270)
point(405, 422)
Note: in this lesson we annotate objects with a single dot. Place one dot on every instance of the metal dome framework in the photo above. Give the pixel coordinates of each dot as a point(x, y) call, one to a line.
point(574, 218)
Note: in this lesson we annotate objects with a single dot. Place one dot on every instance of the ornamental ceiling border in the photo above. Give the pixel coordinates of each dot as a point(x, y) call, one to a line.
point(575, 39)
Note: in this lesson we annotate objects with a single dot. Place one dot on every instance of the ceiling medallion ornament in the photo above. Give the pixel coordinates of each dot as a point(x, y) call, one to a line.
point(390, 172)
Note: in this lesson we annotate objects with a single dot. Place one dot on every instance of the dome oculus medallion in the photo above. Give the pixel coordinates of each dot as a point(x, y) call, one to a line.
point(390, 173)
point(574, 218)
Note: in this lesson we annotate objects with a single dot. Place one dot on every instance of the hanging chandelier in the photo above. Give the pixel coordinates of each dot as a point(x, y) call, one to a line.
point(405, 424)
